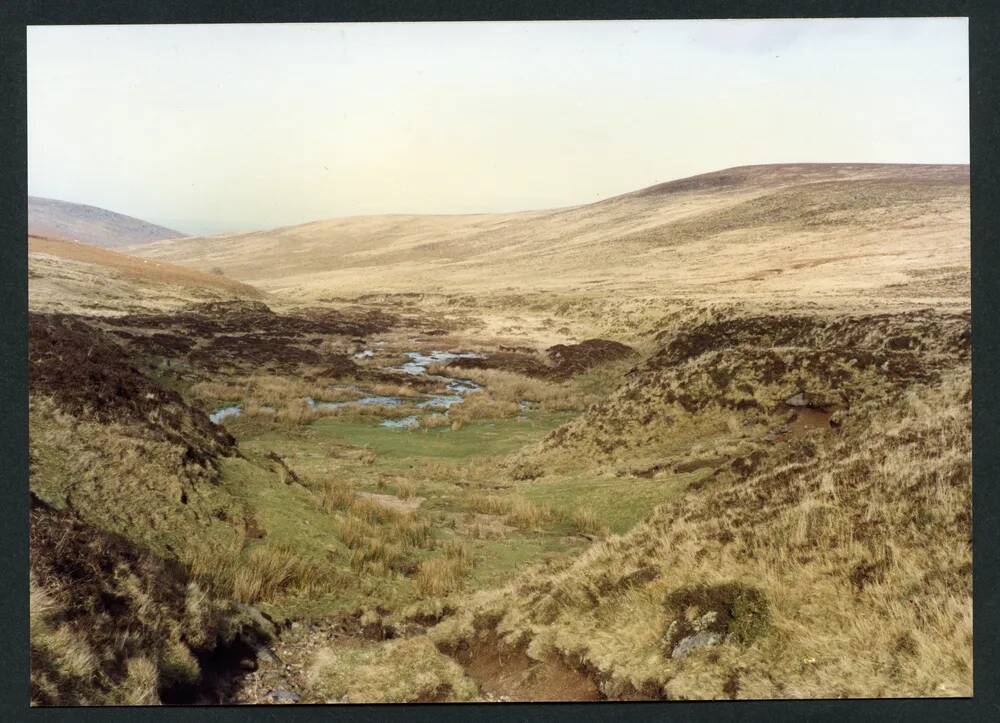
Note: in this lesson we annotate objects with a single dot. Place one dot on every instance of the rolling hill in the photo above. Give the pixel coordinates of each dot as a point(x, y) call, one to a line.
point(90, 224)
point(789, 228)
point(71, 276)
point(719, 448)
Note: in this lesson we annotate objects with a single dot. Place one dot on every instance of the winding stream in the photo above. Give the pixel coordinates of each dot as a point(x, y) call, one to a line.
point(417, 366)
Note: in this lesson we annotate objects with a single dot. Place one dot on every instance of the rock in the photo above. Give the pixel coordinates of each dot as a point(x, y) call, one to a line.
point(265, 653)
point(796, 400)
point(282, 696)
point(703, 639)
point(248, 664)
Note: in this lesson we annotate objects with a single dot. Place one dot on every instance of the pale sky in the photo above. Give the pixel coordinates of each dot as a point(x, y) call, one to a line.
point(214, 128)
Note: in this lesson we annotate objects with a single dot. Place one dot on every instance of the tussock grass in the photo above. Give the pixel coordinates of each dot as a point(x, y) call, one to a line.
point(586, 521)
point(140, 686)
point(355, 532)
point(410, 531)
point(482, 405)
point(269, 390)
point(440, 575)
point(515, 509)
point(385, 389)
point(377, 556)
point(373, 512)
point(112, 624)
point(405, 489)
point(257, 572)
point(526, 514)
point(575, 394)
point(398, 671)
point(435, 421)
point(857, 552)
point(338, 495)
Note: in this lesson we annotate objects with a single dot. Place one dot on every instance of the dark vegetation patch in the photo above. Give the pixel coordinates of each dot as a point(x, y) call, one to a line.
point(262, 352)
point(570, 359)
point(226, 334)
point(764, 367)
point(89, 375)
point(104, 608)
point(516, 362)
point(228, 317)
point(564, 360)
point(876, 334)
point(733, 612)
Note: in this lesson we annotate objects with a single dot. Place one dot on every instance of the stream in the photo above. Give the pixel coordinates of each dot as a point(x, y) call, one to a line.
point(416, 365)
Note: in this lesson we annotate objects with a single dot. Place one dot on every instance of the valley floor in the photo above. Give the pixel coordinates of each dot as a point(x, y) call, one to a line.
point(662, 500)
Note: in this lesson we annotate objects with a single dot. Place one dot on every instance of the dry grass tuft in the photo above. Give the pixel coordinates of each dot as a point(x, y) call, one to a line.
point(439, 576)
point(435, 421)
point(405, 489)
point(408, 670)
point(586, 521)
point(338, 495)
point(256, 572)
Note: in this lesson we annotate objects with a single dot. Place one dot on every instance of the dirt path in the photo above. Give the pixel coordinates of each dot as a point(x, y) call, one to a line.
point(510, 675)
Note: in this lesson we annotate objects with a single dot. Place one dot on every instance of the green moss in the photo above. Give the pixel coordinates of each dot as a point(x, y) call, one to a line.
point(619, 503)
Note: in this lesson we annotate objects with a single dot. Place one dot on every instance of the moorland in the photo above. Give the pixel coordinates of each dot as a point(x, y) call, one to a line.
point(709, 439)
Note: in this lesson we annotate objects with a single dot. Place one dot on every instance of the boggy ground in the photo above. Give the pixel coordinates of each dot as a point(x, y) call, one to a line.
point(696, 506)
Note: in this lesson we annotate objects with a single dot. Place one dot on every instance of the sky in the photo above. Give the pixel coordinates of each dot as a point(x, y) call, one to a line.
point(222, 128)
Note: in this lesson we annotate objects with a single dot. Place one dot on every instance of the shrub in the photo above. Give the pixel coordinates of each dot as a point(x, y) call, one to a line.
point(737, 612)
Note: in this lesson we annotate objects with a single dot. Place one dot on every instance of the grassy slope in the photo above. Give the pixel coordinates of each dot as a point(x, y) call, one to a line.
point(91, 225)
point(760, 229)
point(69, 276)
point(860, 550)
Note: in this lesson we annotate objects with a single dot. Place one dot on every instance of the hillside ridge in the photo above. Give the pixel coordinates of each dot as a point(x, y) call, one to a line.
point(753, 228)
point(91, 224)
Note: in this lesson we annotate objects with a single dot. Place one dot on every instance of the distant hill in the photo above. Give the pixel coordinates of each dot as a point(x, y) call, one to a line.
point(796, 228)
point(90, 224)
point(74, 277)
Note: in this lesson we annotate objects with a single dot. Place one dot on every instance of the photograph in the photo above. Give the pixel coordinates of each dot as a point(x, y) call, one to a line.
point(499, 361)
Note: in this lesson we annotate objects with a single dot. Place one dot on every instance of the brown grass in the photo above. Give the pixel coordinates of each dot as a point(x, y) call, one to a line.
point(405, 489)
point(439, 576)
point(398, 671)
point(860, 551)
point(585, 520)
point(338, 495)
point(515, 509)
point(743, 235)
point(253, 573)
point(132, 267)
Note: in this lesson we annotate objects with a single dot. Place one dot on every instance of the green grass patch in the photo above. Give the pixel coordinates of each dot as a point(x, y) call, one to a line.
point(618, 502)
point(477, 439)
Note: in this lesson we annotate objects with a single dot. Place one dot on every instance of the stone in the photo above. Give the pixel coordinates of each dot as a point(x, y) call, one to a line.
point(283, 696)
point(796, 400)
point(703, 639)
